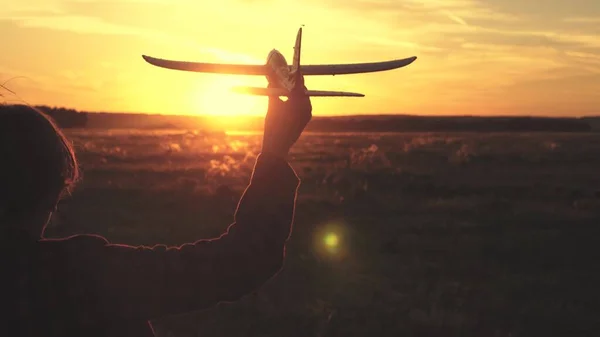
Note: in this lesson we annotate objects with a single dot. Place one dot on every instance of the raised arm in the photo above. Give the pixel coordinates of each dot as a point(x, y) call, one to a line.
point(119, 283)
point(162, 281)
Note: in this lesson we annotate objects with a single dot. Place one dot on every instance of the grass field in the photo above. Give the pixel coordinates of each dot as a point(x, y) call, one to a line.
point(439, 234)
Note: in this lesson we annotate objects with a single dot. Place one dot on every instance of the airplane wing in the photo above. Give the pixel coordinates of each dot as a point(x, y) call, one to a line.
point(261, 69)
point(354, 68)
point(285, 92)
point(221, 68)
point(324, 93)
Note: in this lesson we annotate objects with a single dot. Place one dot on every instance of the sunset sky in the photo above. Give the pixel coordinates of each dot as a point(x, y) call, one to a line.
point(480, 57)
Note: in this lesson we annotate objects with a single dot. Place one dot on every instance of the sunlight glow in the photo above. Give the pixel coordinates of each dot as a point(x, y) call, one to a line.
point(475, 57)
point(215, 98)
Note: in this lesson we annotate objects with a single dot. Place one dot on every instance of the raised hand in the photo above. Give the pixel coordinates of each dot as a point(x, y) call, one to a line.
point(286, 120)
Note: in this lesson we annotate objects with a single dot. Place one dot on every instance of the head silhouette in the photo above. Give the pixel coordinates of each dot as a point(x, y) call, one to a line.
point(38, 166)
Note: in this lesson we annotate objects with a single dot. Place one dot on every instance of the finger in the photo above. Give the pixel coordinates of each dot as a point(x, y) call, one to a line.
point(299, 79)
point(298, 94)
point(300, 100)
point(306, 110)
point(300, 86)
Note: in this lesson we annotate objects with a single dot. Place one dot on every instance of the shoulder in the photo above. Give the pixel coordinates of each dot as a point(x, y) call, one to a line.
point(81, 242)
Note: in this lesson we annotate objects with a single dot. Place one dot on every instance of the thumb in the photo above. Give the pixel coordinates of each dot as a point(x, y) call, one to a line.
point(299, 81)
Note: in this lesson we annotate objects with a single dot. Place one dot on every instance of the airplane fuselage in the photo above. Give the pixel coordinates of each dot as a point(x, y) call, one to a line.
point(280, 76)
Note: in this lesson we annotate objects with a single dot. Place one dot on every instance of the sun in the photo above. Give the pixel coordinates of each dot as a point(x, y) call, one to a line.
point(215, 98)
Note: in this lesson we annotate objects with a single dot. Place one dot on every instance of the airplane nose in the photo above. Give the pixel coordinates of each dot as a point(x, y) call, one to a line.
point(271, 53)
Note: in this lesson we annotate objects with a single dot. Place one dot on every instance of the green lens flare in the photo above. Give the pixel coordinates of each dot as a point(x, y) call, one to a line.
point(331, 240)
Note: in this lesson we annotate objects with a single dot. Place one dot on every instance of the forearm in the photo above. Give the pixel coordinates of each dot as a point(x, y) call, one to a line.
point(251, 251)
point(268, 202)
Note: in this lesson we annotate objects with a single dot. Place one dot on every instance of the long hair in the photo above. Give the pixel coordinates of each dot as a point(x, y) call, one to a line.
point(37, 161)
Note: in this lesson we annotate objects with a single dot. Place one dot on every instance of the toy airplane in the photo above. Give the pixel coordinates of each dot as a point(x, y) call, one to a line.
point(281, 76)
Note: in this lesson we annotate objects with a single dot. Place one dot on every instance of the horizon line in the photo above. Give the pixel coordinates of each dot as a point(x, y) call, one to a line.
point(596, 115)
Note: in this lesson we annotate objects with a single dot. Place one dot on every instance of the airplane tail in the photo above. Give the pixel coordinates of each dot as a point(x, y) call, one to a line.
point(297, 47)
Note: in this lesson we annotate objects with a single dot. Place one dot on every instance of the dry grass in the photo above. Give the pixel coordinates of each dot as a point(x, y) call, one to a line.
point(441, 234)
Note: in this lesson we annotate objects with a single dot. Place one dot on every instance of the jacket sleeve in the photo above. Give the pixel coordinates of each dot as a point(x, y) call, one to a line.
point(130, 283)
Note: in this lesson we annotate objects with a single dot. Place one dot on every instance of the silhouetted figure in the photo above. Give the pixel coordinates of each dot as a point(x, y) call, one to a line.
point(84, 285)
